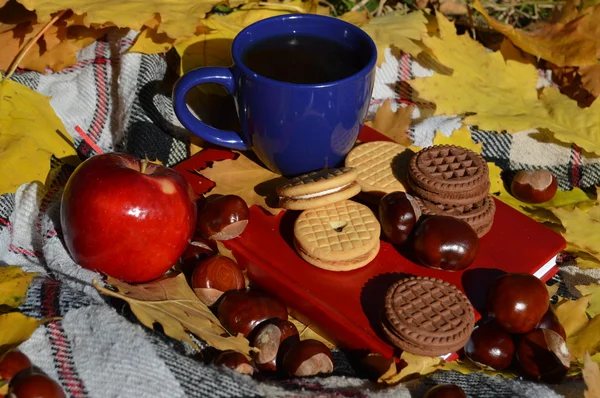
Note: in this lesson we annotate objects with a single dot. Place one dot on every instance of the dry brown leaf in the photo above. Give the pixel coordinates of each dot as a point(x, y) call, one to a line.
point(172, 303)
point(511, 52)
point(590, 79)
point(306, 332)
point(247, 179)
point(393, 124)
point(572, 43)
point(591, 376)
point(450, 7)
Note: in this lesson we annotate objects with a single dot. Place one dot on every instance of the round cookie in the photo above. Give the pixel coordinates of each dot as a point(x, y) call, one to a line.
point(381, 166)
point(318, 188)
point(479, 215)
point(427, 316)
point(448, 169)
point(453, 198)
point(338, 237)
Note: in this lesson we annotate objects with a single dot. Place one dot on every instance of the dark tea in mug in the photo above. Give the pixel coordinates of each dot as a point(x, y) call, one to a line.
point(304, 59)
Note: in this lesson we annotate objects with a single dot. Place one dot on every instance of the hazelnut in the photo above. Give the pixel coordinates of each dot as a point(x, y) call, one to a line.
point(236, 361)
point(517, 302)
point(12, 363)
point(29, 384)
point(398, 214)
point(242, 311)
point(543, 354)
point(308, 358)
point(534, 186)
point(445, 242)
point(215, 275)
point(223, 218)
point(490, 347)
point(273, 338)
point(445, 391)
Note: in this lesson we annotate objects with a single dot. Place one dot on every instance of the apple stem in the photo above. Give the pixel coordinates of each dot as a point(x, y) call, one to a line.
point(143, 166)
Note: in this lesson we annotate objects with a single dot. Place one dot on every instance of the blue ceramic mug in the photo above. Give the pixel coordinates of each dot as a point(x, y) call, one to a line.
point(293, 128)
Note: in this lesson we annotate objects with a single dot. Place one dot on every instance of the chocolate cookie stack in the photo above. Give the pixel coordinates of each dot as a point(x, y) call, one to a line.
point(453, 181)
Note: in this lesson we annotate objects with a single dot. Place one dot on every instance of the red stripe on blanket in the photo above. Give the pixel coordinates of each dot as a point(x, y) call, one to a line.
point(59, 344)
point(575, 166)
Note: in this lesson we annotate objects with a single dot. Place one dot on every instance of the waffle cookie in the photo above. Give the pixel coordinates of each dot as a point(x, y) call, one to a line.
point(479, 215)
point(427, 316)
point(318, 188)
point(381, 166)
point(453, 181)
point(341, 236)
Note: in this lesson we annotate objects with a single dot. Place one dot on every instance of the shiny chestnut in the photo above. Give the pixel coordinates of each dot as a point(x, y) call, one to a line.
point(236, 361)
point(551, 321)
point(273, 338)
point(398, 214)
point(223, 218)
point(242, 311)
point(215, 275)
point(445, 391)
point(12, 363)
point(490, 347)
point(308, 358)
point(28, 384)
point(543, 354)
point(445, 242)
point(517, 302)
point(534, 186)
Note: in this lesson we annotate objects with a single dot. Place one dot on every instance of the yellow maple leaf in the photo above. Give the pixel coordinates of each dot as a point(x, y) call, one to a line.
point(149, 41)
point(501, 95)
point(591, 376)
point(586, 339)
point(415, 365)
point(247, 179)
point(572, 315)
point(178, 18)
point(402, 31)
point(306, 332)
point(461, 137)
point(15, 328)
point(574, 43)
point(465, 366)
point(582, 229)
point(171, 302)
point(14, 283)
point(592, 292)
point(393, 124)
point(30, 133)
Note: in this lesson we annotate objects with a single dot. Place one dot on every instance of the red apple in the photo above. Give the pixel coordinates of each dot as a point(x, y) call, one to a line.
point(126, 217)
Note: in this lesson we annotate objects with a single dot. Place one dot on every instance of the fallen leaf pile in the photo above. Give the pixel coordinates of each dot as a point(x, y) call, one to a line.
point(15, 327)
point(171, 302)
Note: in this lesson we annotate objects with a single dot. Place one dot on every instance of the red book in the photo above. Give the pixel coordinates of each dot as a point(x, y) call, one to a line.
point(346, 306)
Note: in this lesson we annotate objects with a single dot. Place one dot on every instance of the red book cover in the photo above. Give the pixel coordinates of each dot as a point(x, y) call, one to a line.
point(346, 306)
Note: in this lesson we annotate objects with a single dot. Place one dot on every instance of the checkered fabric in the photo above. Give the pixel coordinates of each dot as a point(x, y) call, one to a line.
point(97, 348)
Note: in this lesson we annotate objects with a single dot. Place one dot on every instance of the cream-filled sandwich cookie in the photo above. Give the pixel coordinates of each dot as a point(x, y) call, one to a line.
point(318, 188)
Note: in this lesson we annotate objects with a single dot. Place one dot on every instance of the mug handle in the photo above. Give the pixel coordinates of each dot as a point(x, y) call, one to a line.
point(191, 79)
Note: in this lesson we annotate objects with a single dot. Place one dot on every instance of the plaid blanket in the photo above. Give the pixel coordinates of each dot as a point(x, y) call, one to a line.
point(97, 348)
